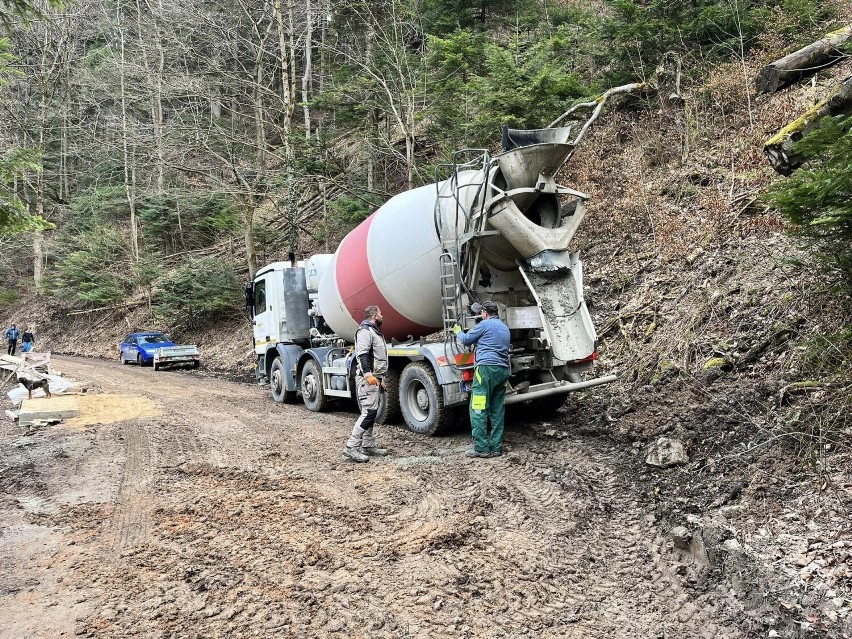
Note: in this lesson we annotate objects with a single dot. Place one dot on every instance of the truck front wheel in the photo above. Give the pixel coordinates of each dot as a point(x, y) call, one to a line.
point(277, 383)
point(313, 393)
point(421, 400)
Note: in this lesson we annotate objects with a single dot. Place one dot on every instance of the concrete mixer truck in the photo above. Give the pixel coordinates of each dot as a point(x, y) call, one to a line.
point(490, 228)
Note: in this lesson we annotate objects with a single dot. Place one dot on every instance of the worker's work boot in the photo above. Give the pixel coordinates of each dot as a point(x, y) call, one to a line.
point(374, 451)
point(472, 452)
point(369, 445)
point(355, 455)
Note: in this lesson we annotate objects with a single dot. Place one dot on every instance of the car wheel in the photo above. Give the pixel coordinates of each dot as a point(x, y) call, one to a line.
point(139, 359)
point(313, 393)
point(156, 366)
point(196, 364)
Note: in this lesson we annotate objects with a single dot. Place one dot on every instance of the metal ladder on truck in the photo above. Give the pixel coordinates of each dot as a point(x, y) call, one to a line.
point(452, 277)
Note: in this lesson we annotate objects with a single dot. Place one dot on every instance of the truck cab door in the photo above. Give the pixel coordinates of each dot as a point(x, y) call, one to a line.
point(262, 322)
point(268, 311)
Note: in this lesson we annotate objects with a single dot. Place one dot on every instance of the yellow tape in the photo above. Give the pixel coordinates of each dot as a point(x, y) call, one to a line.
point(403, 351)
point(477, 402)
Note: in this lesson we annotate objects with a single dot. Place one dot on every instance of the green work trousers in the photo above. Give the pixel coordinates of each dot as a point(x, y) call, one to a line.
point(486, 401)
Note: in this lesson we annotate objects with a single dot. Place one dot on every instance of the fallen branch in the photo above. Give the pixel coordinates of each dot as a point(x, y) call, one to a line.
point(763, 345)
point(619, 320)
point(806, 61)
point(127, 305)
point(799, 388)
point(597, 104)
point(779, 148)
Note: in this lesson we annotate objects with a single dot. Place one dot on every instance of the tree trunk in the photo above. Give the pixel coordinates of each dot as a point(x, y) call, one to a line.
point(38, 241)
point(288, 90)
point(38, 260)
point(157, 102)
point(248, 231)
point(372, 114)
point(129, 172)
point(154, 75)
point(804, 62)
point(779, 148)
point(306, 74)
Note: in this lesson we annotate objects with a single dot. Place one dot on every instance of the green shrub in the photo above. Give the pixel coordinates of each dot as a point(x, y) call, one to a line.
point(97, 273)
point(197, 291)
point(9, 296)
point(344, 214)
point(14, 214)
point(817, 199)
point(172, 223)
point(480, 85)
point(638, 33)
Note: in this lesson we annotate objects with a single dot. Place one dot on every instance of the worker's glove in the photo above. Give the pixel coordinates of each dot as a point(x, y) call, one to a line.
point(382, 385)
point(457, 329)
point(372, 380)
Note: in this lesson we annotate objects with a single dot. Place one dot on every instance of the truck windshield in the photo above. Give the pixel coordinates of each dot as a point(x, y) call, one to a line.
point(153, 339)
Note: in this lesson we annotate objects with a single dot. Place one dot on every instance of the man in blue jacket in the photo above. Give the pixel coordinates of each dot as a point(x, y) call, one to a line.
point(488, 392)
point(12, 336)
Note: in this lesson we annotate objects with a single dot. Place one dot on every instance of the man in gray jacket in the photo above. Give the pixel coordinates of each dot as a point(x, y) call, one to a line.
point(371, 354)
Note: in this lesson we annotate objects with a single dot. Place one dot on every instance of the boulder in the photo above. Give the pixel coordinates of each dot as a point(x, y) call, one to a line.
point(667, 452)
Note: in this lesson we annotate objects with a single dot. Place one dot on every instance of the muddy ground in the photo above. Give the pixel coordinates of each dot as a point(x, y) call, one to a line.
point(181, 505)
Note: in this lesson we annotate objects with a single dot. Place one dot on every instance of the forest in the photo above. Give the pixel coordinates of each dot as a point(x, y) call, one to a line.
point(157, 152)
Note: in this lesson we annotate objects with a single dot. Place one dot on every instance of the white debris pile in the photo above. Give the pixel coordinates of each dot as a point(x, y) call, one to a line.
point(31, 367)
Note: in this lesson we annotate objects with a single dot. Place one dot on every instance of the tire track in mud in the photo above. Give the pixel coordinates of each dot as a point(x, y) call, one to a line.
point(625, 540)
point(131, 521)
point(581, 558)
point(548, 541)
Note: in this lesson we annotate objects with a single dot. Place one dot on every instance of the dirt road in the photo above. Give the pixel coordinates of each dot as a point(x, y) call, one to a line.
point(196, 507)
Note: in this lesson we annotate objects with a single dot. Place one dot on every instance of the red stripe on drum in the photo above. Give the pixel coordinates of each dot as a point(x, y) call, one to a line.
point(358, 290)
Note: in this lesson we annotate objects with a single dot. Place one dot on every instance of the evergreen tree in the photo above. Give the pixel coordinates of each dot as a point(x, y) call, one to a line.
point(817, 199)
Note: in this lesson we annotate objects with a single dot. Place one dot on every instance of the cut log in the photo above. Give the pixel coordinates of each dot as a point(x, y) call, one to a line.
point(779, 148)
point(806, 61)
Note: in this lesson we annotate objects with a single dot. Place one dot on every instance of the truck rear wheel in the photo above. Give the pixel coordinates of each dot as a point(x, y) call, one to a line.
point(277, 383)
point(312, 391)
point(422, 401)
point(390, 411)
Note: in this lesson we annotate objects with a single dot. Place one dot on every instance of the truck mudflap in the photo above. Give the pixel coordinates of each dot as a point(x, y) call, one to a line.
point(555, 388)
point(183, 354)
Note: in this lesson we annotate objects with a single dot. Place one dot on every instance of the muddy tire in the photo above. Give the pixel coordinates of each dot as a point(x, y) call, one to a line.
point(139, 360)
point(312, 391)
point(156, 366)
point(277, 376)
point(390, 410)
point(422, 401)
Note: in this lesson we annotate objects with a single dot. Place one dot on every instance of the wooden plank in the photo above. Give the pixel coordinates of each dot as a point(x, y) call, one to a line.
point(47, 409)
